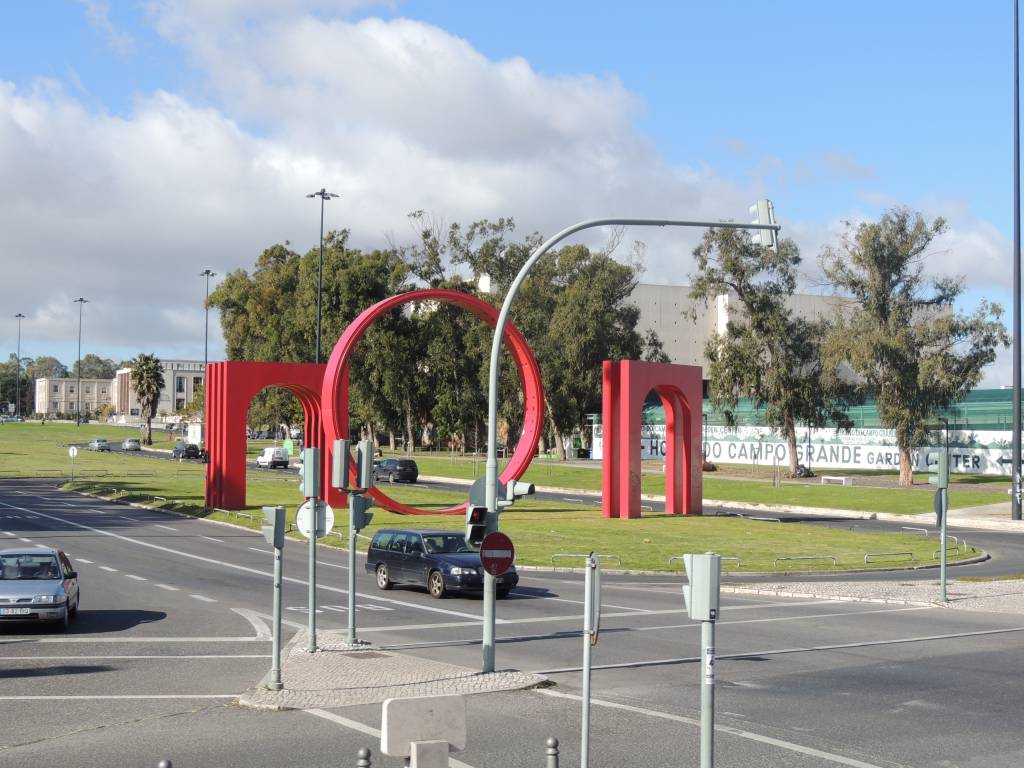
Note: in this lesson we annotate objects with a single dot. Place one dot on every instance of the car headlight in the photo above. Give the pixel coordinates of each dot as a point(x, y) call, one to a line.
point(48, 599)
point(457, 571)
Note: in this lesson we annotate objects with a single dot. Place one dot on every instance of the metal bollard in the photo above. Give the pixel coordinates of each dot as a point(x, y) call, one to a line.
point(363, 758)
point(164, 764)
point(552, 753)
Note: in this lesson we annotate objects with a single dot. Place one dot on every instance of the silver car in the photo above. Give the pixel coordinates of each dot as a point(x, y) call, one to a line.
point(131, 444)
point(37, 584)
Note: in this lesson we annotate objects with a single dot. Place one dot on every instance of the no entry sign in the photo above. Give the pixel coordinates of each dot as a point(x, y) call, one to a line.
point(497, 553)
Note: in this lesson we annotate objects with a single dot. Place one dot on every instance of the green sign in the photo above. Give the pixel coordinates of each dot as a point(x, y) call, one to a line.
point(287, 444)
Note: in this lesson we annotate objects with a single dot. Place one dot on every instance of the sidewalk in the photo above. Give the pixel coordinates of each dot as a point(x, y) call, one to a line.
point(338, 675)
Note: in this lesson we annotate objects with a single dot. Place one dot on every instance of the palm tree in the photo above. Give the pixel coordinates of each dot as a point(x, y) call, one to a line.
point(147, 382)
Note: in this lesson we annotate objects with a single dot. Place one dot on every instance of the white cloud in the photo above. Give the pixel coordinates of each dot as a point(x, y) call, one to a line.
point(98, 14)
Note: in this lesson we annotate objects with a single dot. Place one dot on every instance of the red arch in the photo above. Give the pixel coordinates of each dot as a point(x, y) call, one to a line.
point(232, 386)
point(334, 395)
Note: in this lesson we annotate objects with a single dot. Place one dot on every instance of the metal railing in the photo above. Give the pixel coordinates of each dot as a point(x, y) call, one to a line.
point(835, 563)
point(869, 555)
point(904, 528)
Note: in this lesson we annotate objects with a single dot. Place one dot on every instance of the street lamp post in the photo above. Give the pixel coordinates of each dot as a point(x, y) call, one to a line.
point(1015, 508)
point(17, 377)
point(207, 273)
point(324, 195)
point(78, 408)
point(492, 390)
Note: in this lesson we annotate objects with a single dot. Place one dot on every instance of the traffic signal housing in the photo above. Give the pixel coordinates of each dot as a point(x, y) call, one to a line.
point(364, 464)
point(341, 460)
point(273, 531)
point(765, 212)
point(309, 473)
point(476, 524)
point(938, 464)
point(358, 506)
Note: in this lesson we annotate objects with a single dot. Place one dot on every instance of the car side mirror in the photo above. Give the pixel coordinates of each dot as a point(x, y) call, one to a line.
point(72, 575)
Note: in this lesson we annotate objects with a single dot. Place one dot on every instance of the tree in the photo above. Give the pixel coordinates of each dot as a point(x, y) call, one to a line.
point(766, 354)
point(94, 367)
point(914, 353)
point(147, 379)
point(46, 367)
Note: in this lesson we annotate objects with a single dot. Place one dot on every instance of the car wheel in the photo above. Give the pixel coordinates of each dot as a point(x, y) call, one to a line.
point(383, 581)
point(503, 593)
point(78, 599)
point(435, 583)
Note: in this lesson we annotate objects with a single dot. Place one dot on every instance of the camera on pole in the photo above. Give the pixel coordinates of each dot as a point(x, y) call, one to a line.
point(273, 531)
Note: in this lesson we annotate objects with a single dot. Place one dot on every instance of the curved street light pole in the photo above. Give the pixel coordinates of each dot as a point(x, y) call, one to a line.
point(207, 273)
point(1015, 505)
point(324, 195)
point(17, 377)
point(492, 390)
point(78, 408)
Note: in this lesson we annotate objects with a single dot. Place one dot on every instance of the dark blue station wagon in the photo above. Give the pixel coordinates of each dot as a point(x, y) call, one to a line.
point(439, 560)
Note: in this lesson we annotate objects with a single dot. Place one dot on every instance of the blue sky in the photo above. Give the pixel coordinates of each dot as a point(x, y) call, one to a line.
point(834, 111)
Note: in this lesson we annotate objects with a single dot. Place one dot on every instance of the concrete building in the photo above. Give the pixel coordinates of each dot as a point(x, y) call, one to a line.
point(182, 379)
point(55, 396)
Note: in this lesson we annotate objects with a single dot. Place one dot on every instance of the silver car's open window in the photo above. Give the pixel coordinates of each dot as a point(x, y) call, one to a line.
point(29, 566)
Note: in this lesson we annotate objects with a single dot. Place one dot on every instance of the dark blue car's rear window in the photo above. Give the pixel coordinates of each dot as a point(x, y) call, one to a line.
point(407, 464)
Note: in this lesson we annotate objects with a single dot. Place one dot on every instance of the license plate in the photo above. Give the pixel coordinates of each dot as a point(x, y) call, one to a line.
point(15, 611)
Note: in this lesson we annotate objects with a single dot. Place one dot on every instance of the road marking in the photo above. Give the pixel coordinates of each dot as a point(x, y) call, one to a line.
point(367, 729)
point(169, 528)
point(258, 625)
point(168, 587)
point(581, 602)
point(264, 551)
point(204, 599)
point(8, 533)
point(27, 541)
point(83, 560)
point(246, 569)
point(286, 622)
point(574, 501)
point(137, 578)
point(123, 696)
point(88, 640)
point(108, 569)
point(799, 748)
point(219, 541)
point(131, 519)
point(162, 657)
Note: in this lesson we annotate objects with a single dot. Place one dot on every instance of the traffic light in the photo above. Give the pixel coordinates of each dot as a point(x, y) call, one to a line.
point(516, 489)
point(939, 460)
point(341, 460)
point(476, 524)
point(309, 473)
point(364, 464)
point(273, 532)
point(765, 212)
point(358, 506)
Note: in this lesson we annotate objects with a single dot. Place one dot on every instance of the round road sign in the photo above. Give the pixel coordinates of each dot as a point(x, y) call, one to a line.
point(497, 553)
point(324, 522)
point(72, 451)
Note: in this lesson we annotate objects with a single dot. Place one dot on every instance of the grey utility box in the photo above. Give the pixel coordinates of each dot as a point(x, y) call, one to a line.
point(701, 594)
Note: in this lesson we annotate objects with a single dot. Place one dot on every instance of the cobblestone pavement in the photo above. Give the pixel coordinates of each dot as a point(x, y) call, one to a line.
point(1005, 596)
point(338, 675)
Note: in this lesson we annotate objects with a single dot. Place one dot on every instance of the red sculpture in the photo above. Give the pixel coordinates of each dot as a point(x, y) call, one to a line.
point(625, 386)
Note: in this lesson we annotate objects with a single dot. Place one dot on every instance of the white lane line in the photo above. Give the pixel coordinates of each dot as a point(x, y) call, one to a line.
point(8, 533)
point(264, 551)
point(581, 602)
point(161, 657)
point(130, 519)
point(286, 622)
point(83, 560)
point(108, 569)
point(366, 729)
point(169, 528)
point(219, 541)
point(136, 578)
point(204, 599)
point(574, 501)
point(245, 569)
point(168, 587)
point(27, 541)
point(90, 640)
point(789, 745)
point(258, 625)
point(123, 696)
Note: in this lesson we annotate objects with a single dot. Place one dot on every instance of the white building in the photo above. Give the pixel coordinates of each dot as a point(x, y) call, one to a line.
point(55, 396)
point(182, 379)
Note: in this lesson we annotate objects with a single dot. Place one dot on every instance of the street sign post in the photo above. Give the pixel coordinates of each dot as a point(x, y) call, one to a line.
point(324, 518)
point(310, 485)
point(702, 598)
point(497, 554)
point(72, 452)
point(273, 532)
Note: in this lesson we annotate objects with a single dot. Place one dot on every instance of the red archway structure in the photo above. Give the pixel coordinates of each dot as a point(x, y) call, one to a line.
point(334, 394)
point(625, 386)
point(231, 387)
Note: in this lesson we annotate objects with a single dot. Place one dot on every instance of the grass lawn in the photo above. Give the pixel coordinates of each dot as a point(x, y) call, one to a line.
point(539, 529)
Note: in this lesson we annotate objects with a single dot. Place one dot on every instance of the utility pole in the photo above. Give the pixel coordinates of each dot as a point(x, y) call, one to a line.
point(78, 408)
point(17, 378)
point(1016, 490)
point(324, 195)
point(207, 273)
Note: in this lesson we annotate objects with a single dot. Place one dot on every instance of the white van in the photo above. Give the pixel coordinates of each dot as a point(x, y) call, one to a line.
point(273, 457)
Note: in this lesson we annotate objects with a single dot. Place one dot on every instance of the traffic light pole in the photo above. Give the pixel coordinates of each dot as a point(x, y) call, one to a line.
point(312, 577)
point(275, 683)
point(492, 388)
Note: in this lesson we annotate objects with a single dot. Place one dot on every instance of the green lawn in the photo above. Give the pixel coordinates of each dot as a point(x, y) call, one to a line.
point(539, 529)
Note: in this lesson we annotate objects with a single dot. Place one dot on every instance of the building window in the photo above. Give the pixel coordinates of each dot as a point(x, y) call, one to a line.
point(179, 403)
point(197, 382)
point(88, 406)
point(103, 391)
point(134, 412)
point(88, 389)
point(71, 389)
point(56, 389)
point(179, 384)
point(55, 406)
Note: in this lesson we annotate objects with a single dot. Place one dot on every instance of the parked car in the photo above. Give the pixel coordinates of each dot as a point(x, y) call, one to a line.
point(396, 470)
point(441, 561)
point(273, 457)
point(131, 444)
point(99, 444)
point(187, 451)
point(38, 584)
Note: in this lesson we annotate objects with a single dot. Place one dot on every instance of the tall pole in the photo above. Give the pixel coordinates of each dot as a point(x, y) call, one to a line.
point(1016, 503)
point(78, 408)
point(17, 378)
point(324, 195)
point(492, 390)
point(207, 273)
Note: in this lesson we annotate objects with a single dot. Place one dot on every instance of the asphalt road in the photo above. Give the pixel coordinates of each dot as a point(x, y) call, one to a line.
point(174, 610)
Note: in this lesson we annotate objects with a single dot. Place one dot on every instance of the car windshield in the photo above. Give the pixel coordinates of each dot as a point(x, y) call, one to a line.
point(27, 566)
point(446, 543)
